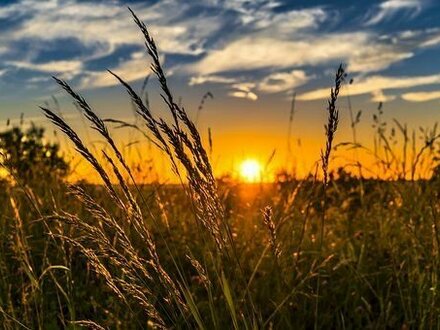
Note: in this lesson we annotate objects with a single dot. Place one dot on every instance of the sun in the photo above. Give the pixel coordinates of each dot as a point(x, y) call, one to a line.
point(250, 170)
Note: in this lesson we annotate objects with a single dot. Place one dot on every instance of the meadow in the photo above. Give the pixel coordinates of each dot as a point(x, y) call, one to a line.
point(343, 248)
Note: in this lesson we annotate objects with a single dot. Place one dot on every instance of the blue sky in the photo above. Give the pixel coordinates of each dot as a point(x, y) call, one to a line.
point(251, 54)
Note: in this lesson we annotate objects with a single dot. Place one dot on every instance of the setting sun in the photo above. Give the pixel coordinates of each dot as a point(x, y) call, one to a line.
point(250, 170)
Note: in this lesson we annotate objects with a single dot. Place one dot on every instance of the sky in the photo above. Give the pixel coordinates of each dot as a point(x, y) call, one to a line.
point(251, 55)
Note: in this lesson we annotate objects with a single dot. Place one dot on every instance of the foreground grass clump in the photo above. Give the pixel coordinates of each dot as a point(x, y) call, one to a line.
point(345, 253)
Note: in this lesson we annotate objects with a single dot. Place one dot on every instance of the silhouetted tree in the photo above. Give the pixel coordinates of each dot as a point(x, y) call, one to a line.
point(28, 157)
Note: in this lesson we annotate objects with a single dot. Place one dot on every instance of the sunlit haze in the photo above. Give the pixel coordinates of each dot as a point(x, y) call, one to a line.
point(250, 170)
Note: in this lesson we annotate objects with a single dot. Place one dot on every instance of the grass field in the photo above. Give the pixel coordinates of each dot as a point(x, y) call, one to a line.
point(332, 250)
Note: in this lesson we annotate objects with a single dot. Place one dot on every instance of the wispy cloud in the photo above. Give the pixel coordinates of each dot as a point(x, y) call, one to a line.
point(373, 84)
point(244, 90)
point(135, 68)
point(387, 9)
point(421, 96)
point(100, 30)
point(273, 83)
point(68, 68)
point(283, 81)
point(106, 24)
point(363, 51)
point(198, 80)
point(260, 14)
point(378, 96)
point(244, 95)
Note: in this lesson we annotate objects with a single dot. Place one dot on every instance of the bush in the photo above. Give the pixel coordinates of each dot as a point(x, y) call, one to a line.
point(29, 158)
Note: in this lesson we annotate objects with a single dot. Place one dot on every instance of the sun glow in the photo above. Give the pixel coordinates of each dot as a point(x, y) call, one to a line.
point(250, 170)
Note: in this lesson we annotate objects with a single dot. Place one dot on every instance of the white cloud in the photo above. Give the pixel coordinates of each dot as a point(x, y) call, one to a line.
point(401, 4)
point(244, 90)
point(388, 9)
point(293, 21)
point(243, 94)
point(64, 69)
point(259, 14)
point(245, 86)
point(90, 24)
point(282, 43)
point(374, 83)
point(362, 51)
point(273, 83)
point(199, 80)
point(100, 28)
point(249, 10)
point(375, 57)
point(50, 67)
point(138, 67)
point(379, 96)
point(283, 81)
point(412, 39)
point(421, 96)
